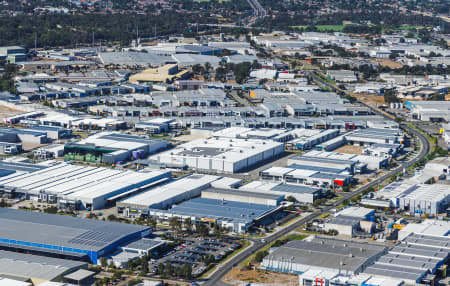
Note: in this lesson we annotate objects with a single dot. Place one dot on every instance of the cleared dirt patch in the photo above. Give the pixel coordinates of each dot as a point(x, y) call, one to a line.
point(371, 99)
point(7, 112)
point(388, 63)
point(350, 149)
point(239, 276)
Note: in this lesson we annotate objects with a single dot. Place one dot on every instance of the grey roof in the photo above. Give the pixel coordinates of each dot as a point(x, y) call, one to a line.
point(243, 193)
point(27, 265)
point(419, 250)
point(80, 274)
point(134, 58)
point(317, 168)
point(432, 241)
point(344, 220)
point(129, 138)
point(329, 253)
point(62, 231)
point(219, 210)
point(23, 167)
point(295, 189)
point(144, 244)
point(396, 272)
point(321, 159)
point(408, 261)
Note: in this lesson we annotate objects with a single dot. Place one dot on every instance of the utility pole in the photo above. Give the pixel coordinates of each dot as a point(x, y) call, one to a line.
point(35, 42)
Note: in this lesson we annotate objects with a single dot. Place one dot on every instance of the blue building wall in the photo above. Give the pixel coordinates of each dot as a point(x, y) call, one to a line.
point(93, 255)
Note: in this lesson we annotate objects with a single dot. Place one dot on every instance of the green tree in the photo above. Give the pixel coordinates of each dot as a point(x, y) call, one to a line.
point(259, 256)
point(175, 224)
point(291, 199)
point(151, 222)
point(188, 224)
point(103, 262)
point(202, 229)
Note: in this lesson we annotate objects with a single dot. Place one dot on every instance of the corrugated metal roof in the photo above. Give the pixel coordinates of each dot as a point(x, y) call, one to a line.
point(62, 231)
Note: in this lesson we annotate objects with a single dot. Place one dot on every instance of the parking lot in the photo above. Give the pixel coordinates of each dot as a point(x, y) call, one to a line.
point(198, 253)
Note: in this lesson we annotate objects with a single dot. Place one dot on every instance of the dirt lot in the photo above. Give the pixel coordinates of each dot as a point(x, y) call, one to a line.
point(238, 276)
point(388, 63)
point(371, 99)
point(6, 112)
point(350, 149)
point(190, 137)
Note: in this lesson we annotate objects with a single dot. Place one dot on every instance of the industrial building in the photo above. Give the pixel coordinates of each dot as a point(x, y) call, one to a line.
point(195, 197)
point(312, 277)
point(415, 198)
point(429, 227)
point(64, 236)
point(155, 126)
point(364, 138)
point(357, 212)
point(315, 160)
point(15, 135)
point(343, 225)
point(53, 132)
point(352, 221)
point(235, 216)
point(383, 150)
point(165, 196)
point(278, 135)
point(309, 138)
point(221, 155)
point(112, 148)
point(135, 250)
point(35, 268)
point(369, 136)
point(321, 177)
point(80, 187)
point(301, 193)
point(301, 139)
point(323, 254)
point(243, 196)
point(417, 258)
point(435, 111)
point(363, 162)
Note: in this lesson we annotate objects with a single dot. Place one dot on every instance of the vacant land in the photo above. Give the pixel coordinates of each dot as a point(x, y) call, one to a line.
point(371, 99)
point(388, 63)
point(7, 112)
point(238, 276)
point(350, 149)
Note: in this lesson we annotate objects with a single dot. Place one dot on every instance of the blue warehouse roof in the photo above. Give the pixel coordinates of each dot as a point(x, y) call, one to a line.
point(221, 210)
point(64, 233)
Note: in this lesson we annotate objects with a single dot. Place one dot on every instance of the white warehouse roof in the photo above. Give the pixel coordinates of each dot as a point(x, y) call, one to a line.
point(166, 193)
point(80, 182)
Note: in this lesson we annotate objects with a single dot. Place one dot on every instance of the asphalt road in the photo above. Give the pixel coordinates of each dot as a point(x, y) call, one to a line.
point(215, 279)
